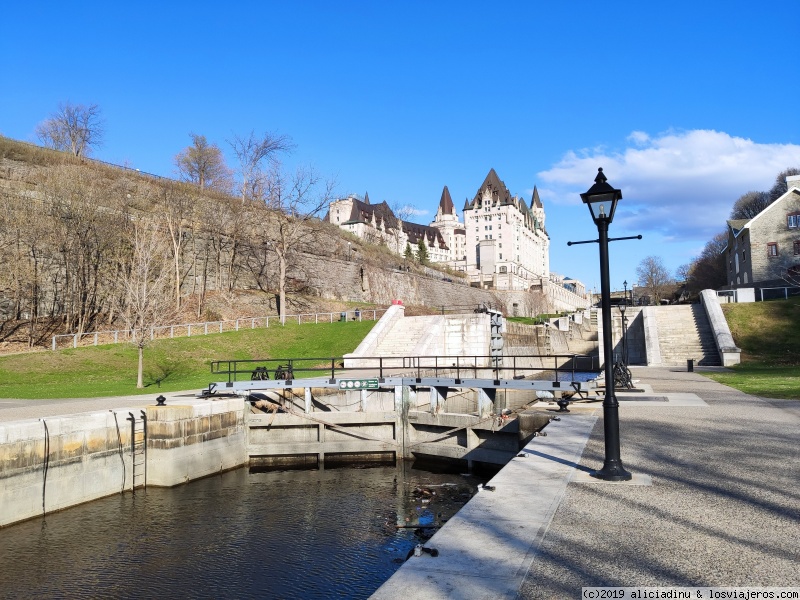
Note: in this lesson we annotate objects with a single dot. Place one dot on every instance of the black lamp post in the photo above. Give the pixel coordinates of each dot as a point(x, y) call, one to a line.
point(602, 200)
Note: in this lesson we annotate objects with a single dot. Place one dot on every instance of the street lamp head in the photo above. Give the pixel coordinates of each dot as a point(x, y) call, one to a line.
point(602, 199)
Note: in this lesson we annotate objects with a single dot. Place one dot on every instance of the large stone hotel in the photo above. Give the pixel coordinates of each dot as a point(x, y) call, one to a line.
point(502, 243)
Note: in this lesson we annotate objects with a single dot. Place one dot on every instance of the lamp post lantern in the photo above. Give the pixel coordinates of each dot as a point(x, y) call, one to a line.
point(602, 201)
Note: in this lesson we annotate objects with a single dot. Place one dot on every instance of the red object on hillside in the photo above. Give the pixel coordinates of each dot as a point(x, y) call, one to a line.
point(397, 302)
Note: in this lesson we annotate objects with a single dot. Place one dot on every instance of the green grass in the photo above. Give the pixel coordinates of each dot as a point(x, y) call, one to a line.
point(543, 318)
point(169, 365)
point(768, 334)
point(767, 381)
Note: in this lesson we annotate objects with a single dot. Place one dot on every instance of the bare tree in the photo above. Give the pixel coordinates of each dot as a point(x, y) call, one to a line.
point(682, 272)
point(293, 201)
point(203, 164)
point(780, 187)
point(709, 270)
point(253, 152)
point(177, 208)
point(146, 281)
point(654, 277)
point(750, 204)
point(84, 222)
point(74, 128)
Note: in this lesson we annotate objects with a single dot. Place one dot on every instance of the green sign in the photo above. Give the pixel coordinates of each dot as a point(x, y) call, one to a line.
point(358, 384)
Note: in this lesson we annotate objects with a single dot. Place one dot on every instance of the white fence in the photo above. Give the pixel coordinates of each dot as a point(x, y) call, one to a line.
point(73, 340)
point(745, 294)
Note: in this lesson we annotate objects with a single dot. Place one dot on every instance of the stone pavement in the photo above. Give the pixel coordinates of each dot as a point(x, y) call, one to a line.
point(715, 501)
point(17, 410)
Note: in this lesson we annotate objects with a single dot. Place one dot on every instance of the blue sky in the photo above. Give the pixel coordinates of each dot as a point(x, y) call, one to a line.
point(686, 105)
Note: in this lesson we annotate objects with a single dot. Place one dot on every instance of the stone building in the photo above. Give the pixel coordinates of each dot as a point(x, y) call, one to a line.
point(377, 224)
point(452, 230)
point(765, 250)
point(501, 245)
point(508, 247)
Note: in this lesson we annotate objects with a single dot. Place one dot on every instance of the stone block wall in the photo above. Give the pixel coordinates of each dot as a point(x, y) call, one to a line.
point(186, 442)
point(54, 463)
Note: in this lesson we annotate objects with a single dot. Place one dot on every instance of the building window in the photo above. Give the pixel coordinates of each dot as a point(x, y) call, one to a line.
point(744, 255)
point(772, 249)
point(793, 220)
point(797, 247)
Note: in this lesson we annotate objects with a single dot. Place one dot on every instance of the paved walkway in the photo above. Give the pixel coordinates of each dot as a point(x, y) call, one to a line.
point(17, 410)
point(715, 501)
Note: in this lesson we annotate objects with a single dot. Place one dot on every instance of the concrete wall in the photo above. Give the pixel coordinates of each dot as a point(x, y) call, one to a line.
point(728, 352)
point(53, 463)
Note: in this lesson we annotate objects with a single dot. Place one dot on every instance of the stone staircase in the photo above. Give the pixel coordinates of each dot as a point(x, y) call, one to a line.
point(684, 333)
point(405, 335)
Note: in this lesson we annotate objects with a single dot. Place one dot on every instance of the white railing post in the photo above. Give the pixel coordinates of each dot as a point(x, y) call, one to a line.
point(75, 341)
point(54, 343)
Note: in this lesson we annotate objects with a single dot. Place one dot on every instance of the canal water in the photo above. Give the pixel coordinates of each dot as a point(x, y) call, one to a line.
point(329, 533)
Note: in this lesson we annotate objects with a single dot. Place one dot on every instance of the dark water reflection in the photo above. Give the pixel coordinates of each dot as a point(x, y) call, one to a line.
point(290, 534)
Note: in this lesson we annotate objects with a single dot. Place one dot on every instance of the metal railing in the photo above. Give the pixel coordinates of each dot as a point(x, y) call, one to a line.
point(116, 336)
point(565, 367)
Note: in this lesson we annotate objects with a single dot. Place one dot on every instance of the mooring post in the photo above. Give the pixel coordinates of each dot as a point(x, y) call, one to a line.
point(307, 397)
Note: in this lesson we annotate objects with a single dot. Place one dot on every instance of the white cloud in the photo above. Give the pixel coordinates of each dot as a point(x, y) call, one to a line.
point(413, 211)
point(640, 138)
point(681, 184)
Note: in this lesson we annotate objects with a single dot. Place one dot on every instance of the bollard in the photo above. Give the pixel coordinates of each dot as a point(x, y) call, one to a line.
point(690, 365)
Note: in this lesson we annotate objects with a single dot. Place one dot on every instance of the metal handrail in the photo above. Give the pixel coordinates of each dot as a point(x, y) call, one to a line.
point(433, 365)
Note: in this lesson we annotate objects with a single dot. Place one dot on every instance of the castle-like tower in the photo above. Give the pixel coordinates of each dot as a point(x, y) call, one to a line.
point(507, 245)
point(452, 230)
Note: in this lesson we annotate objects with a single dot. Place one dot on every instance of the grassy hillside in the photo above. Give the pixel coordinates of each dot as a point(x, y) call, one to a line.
point(769, 335)
point(170, 365)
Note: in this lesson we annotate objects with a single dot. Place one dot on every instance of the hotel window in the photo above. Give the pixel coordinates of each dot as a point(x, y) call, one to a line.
point(772, 249)
point(793, 220)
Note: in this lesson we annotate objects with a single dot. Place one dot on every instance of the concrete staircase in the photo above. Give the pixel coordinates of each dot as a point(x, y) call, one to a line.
point(405, 335)
point(684, 333)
